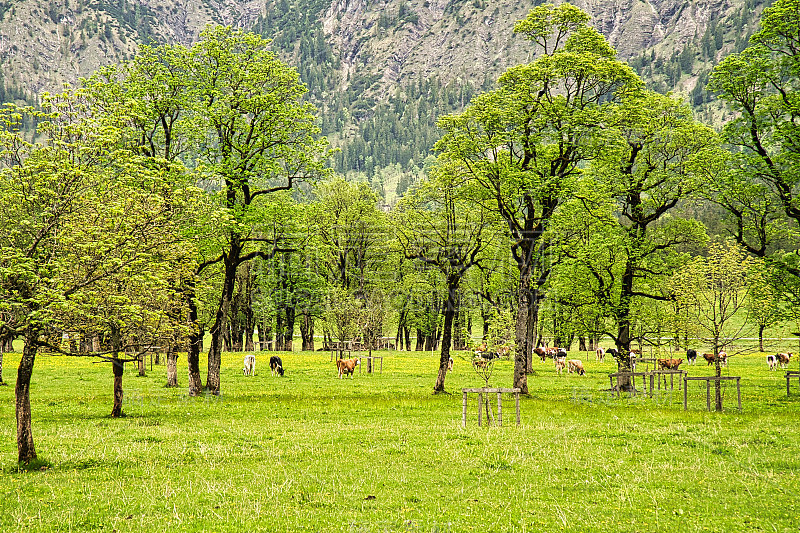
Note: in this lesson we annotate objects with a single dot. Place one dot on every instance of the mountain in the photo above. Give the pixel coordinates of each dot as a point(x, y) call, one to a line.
point(381, 72)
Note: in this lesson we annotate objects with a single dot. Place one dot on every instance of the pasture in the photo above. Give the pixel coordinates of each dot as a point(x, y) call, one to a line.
point(379, 452)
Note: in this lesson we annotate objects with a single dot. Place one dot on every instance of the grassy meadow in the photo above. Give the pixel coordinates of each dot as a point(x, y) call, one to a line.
point(310, 452)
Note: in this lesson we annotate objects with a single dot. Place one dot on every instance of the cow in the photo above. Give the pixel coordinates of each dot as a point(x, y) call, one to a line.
point(772, 362)
point(599, 354)
point(691, 356)
point(503, 351)
point(541, 352)
point(669, 364)
point(347, 366)
point(576, 365)
point(709, 357)
point(561, 363)
point(249, 365)
point(276, 365)
point(480, 349)
point(450, 365)
point(614, 353)
point(783, 359)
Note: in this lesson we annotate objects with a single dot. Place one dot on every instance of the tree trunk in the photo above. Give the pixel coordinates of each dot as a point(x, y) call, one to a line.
point(142, 365)
point(522, 328)
point(221, 318)
point(26, 452)
point(533, 324)
point(307, 330)
point(288, 336)
point(118, 368)
point(264, 335)
point(172, 367)
point(761, 328)
point(194, 344)
point(447, 333)
point(1, 368)
point(582, 346)
point(420, 344)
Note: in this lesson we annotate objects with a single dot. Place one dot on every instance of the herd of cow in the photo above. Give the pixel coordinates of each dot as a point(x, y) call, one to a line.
point(559, 355)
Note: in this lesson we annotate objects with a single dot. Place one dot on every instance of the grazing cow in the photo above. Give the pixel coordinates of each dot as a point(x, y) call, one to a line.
point(772, 362)
point(480, 362)
point(276, 365)
point(450, 365)
point(480, 349)
point(561, 363)
point(614, 353)
point(599, 354)
point(576, 365)
point(723, 358)
point(783, 359)
point(249, 365)
point(691, 356)
point(669, 364)
point(541, 352)
point(346, 366)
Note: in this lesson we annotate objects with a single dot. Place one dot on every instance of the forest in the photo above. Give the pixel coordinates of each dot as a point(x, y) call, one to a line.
point(188, 193)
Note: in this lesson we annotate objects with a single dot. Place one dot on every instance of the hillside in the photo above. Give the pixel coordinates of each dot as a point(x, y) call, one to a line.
point(380, 71)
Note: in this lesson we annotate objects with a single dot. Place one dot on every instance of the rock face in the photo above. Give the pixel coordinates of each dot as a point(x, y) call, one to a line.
point(43, 43)
point(461, 39)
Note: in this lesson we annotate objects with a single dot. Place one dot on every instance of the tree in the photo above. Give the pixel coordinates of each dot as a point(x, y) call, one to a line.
point(761, 85)
point(661, 156)
point(524, 144)
point(714, 289)
point(77, 211)
point(234, 113)
point(439, 225)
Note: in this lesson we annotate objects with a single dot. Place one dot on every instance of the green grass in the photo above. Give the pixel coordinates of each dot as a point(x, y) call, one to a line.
point(381, 453)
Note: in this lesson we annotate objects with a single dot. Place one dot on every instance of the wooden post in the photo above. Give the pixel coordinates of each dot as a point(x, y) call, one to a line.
point(464, 410)
point(739, 393)
point(685, 389)
point(480, 408)
point(499, 409)
point(788, 377)
point(516, 401)
point(708, 394)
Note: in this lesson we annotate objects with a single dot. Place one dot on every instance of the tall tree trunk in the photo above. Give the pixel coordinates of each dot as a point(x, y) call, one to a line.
point(118, 369)
point(221, 317)
point(307, 330)
point(761, 328)
point(624, 327)
point(420, 344)
point(194, 344)
point(447, 333)
point(280, 328)
point(172, 367)
point(26, 452)
point(288, 336)
point(533, 324)
point(521, 331)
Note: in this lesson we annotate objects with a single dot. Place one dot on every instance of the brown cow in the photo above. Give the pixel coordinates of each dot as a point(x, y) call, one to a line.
point(541, 352)
point(669, 364)
point(346, 366)
point(561, 363)
point(783, 359)
point(576, 365)
point(723, 358)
